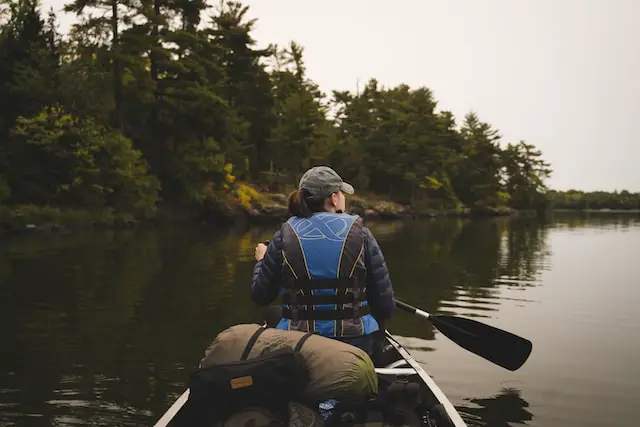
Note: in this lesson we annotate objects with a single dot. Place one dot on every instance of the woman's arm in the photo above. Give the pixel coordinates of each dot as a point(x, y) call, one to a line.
point(380, 288)
point(265, 284)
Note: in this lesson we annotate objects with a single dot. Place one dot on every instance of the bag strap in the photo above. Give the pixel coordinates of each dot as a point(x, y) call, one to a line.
point(303, 340)
point(251, 343)
point(256, 334)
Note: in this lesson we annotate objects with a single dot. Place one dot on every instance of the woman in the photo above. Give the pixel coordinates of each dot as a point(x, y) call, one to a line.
point(329, 268)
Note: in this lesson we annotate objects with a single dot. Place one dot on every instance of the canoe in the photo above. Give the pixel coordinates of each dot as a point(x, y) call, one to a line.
point(404, 387)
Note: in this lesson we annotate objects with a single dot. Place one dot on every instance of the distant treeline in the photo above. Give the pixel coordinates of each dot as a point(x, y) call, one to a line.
point(147, 102)
point(574, 199)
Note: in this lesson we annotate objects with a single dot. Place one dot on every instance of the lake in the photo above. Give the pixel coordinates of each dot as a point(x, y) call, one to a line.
point(103, 328)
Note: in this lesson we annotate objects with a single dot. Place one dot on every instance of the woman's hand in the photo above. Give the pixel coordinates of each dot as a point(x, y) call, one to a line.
point(260, 250)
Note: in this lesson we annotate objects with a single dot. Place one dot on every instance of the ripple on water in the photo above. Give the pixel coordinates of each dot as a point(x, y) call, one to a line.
point(77, 404)
point(122, 319)
point(483, 302)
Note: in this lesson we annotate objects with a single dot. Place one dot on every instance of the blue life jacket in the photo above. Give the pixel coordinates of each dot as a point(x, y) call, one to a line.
point(324, 288)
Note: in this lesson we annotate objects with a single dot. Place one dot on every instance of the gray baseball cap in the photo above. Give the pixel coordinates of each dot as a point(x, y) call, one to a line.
point(322, 181)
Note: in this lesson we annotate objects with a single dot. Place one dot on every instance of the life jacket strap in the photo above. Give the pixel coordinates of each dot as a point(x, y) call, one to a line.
point(352, 297)
point(308, 284)
point(341, 314)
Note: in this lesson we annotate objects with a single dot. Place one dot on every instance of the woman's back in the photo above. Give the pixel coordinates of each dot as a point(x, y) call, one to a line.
point(326, 264)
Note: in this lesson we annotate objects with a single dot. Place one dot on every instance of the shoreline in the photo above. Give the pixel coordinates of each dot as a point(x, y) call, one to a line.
point(273, 207)
point(269, 209)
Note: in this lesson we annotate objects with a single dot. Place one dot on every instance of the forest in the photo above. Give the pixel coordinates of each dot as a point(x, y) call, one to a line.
point(160, 104)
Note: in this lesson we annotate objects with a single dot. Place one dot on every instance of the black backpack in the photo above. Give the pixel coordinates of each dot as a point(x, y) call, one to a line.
point(270, 381)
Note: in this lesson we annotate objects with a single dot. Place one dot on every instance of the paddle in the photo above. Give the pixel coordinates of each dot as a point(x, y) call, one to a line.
point(500, 347)
point(495, 345)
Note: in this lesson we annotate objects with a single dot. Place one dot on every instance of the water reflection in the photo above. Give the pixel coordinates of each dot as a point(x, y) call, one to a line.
point(103, 328)
point(605, 220)
point(502, 410)
point(459, 267)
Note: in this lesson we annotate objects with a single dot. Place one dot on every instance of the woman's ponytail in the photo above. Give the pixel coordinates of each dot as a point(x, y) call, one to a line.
point(301, 204)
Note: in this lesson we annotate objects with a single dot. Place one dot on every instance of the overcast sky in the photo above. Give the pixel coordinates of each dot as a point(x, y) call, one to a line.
point(561, 74)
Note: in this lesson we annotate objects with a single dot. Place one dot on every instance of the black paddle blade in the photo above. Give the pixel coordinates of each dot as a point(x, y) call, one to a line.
point(500, 347)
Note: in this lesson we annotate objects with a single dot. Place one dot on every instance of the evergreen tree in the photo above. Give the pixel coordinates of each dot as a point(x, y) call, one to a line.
point(148, 100)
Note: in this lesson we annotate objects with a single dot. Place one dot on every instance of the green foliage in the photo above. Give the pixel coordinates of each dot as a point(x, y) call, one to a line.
point(581, 200)
point(301, 134)
point(19, 217)
point(85, 165)
point(524, 175)
point(145, 101)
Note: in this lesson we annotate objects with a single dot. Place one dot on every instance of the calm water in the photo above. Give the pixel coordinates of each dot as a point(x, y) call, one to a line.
point(103, 328)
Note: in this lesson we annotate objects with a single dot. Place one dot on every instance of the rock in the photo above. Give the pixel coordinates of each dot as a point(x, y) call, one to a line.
point(484, 211)
point(274, 210)
point(389, 209)
point(356, 203)
point(280, 198)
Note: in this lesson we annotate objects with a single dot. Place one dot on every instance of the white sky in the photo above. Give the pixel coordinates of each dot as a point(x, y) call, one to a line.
point(561, 74)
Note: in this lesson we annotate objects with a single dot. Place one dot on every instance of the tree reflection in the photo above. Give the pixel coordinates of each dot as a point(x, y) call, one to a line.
point(122, 318)
point(502, 410)
point(451, 266)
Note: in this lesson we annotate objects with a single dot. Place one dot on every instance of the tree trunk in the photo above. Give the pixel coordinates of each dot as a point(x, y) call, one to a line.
point(154, 33)
point(117, 79)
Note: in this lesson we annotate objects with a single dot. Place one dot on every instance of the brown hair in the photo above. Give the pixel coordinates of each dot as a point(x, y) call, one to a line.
point(302, 204)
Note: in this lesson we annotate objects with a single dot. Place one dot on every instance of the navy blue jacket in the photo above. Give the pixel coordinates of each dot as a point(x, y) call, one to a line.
point(266, 281)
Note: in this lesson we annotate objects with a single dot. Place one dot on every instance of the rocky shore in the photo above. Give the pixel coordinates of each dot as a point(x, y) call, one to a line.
point(261, 208)
point(273, 207)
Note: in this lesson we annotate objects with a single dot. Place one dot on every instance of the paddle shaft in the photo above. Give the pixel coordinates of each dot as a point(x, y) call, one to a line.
point(411, 309)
